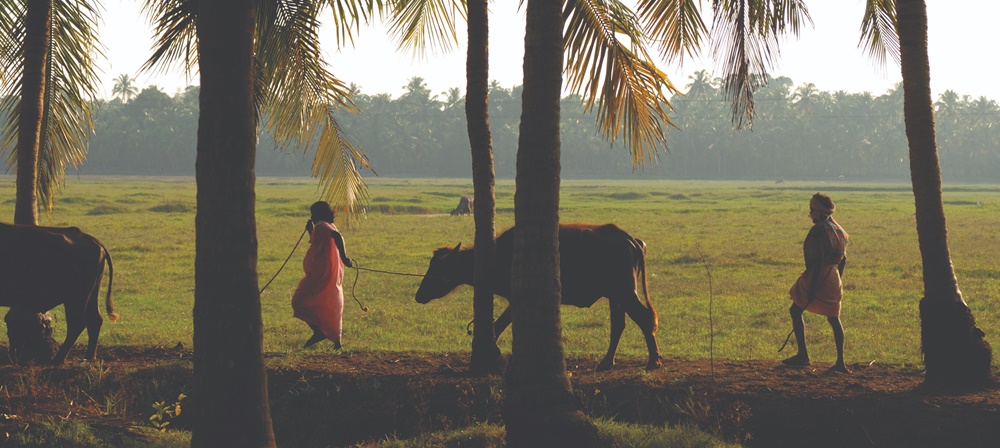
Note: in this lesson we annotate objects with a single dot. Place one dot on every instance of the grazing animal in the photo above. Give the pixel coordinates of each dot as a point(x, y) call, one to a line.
point(596, 261)
point(43, 267)
point(466, 206)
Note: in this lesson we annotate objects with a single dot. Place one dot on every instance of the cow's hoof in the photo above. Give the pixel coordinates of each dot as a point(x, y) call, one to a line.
point(604, 366)
point(653, 365)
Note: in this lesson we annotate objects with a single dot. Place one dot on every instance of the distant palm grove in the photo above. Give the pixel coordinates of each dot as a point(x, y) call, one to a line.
point(798, 133)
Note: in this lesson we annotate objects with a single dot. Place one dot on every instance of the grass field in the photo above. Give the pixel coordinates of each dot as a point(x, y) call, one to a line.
point(722, 256)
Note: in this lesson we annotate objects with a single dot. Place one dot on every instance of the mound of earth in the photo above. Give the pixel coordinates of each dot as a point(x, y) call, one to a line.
point(351, 396)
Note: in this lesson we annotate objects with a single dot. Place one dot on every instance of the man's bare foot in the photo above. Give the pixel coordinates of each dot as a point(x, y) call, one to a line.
point(797, 360)
point(839, 368)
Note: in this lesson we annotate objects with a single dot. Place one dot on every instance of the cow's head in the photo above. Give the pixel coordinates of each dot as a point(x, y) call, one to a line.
point(442, 275)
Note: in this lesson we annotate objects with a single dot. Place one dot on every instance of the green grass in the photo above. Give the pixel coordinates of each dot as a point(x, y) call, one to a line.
point(612, 435)
point(746, 235)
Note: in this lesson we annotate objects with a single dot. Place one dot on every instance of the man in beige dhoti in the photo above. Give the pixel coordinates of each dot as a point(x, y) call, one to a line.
point(819, 288)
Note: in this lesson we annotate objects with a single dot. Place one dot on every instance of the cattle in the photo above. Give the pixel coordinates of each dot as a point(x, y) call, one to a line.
point(43, 267)
point(596, 261)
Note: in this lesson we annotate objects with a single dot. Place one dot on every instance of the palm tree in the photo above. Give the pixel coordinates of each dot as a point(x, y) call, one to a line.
point(37, 25)
point(260, 62)
point(955, 353)
point(229, 377)
point(485, 357)
point(124, 88)
point(51, 47)
point(539, 406)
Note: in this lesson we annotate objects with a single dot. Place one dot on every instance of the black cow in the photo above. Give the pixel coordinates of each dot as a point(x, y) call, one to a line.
point(596, 261)
point(42, 267)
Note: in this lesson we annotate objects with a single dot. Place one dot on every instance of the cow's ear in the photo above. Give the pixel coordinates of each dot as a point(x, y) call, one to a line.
point(459, 246)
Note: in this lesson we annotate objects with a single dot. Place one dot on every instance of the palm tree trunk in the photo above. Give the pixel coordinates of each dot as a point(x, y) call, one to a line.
point(38, 30)
point(539, 407)
point(230, 399)
point(955, 353)
point(485, 353)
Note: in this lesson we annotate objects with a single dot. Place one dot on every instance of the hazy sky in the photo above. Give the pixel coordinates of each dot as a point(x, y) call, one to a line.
point(962, 34)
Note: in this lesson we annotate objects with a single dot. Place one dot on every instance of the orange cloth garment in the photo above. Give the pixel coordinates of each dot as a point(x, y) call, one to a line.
point(829, 292)
point(319, 298)
point(823, 249)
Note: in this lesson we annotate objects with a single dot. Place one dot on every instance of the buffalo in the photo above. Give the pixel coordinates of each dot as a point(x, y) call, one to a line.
point(596, 261)
point(42, 267)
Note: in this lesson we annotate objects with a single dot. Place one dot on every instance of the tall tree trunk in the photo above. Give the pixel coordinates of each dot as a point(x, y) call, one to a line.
point(955, 353)
point(485, 353)
point(38, 31)
point(539, 407)
point(230, 399)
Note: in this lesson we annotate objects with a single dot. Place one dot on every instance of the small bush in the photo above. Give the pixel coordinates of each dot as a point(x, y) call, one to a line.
point(171, 207)
point(107, 209)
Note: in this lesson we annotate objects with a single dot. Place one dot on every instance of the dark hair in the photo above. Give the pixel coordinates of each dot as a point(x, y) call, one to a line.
point(824, 200)
point(321, 211)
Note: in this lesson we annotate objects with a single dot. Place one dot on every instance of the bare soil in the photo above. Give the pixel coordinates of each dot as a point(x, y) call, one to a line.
point(340, 399)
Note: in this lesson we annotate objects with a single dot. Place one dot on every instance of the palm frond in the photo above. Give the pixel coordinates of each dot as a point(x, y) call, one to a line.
point(878, 32)
point(674, 25)
point(173, 23)
point(72, 83)
point(298, 95)
point(607, 64)
point(422, 26)
point(11, 65)
point(745, 36)
point(349, 15)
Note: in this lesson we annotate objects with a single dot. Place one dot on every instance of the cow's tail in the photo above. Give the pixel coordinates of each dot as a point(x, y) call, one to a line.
point(641, 268)
point(108, 302)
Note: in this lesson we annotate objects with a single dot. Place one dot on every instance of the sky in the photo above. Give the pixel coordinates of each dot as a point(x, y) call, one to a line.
point(961, 34)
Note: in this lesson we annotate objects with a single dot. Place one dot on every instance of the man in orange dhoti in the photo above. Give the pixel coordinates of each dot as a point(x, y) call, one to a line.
point(319, 298)
point(819, 288)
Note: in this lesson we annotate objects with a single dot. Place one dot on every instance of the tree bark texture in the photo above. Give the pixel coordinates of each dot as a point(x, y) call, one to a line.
point(38, 31)
point(955, 353)
point(539, 406)
point(230, 382)
point(485, 353)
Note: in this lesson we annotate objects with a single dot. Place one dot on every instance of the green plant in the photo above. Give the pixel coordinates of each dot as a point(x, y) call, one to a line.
point(165, 413)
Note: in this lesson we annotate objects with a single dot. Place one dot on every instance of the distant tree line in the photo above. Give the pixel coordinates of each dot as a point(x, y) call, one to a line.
point(798, 133)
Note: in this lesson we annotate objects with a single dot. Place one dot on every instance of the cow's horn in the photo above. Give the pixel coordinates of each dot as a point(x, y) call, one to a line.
point(457, 247)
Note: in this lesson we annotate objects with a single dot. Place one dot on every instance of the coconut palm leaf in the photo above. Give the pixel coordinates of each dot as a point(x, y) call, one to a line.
point(296, 96)
point(878, 32)
point(745, 35)
point(675, 26)
point(71, 83)
point(299, 96)
point(173, 23)
point(421, 26)
point(607, 63)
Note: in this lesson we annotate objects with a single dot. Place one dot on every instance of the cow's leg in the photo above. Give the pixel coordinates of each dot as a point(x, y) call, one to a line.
point(94, 323)
point(501, 323)
point(76, 319)
point(617, 327)
point(645, 319)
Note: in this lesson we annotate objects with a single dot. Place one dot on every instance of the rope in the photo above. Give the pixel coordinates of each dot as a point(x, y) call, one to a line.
point(385, 272)
point(283, 264)
point(357, 275)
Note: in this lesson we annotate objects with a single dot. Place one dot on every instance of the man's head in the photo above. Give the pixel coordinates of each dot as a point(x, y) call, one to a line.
point(821, 207)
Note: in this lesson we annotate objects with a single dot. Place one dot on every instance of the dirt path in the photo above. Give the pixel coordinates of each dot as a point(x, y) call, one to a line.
point(761, 403)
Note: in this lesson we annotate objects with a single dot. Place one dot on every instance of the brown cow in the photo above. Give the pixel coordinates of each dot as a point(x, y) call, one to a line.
point(596, 261)
point(42, 267)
